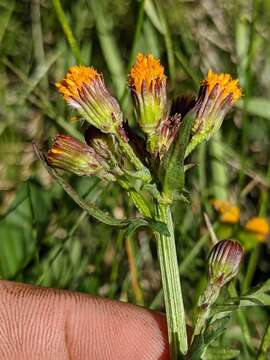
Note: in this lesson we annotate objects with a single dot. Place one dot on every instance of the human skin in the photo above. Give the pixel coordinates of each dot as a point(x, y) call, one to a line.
point(50, 324)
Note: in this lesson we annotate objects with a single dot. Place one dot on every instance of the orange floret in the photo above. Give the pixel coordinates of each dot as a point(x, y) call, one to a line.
point(226, 84)
point(259, 226)
point(76, 77)
point(147, 69)
point(229, 213)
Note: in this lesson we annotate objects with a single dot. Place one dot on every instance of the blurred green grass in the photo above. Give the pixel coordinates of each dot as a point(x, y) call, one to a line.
point(44, 237)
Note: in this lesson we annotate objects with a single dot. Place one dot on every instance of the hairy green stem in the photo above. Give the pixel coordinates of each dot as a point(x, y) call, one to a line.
point(174, 305)
point(205, 302)
point(144, 172)
point(185, 264)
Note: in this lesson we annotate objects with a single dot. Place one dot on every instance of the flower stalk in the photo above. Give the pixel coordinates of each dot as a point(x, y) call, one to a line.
point(169, 268)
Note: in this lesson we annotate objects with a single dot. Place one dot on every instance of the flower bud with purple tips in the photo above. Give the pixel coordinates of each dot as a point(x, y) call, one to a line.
point(218, 93)
point(224, 261)
point(76, 157)
point(84, 89)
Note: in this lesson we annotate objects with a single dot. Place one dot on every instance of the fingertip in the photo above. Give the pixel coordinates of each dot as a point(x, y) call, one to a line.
point(121, 331)
point(72, 325)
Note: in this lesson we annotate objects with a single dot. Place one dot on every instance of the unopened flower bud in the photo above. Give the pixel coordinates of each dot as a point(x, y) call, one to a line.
point(74, 156)
point(218, 93)
point(167, 133)
point(224, 261)
point(84, 89)
point(147, 83)
point(105, 146)
point(223, 265)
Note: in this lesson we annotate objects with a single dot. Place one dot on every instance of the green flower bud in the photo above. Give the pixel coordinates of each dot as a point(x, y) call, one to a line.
point(224, 261)
point(167, 133)
point(223, 265)
point(105, 146)
point(71, 155)
point(147, 83)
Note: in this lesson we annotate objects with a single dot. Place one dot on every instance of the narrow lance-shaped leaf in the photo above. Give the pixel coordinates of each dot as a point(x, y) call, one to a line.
point(174, 177)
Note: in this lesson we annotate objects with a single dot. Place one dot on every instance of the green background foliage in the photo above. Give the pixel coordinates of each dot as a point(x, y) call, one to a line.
point(45, 238)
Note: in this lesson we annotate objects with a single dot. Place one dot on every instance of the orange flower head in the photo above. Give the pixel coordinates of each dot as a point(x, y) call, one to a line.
point(145, 72)
point(228, 213)
point(218, 93)
point(147, 83)
point(226, 85)
point(259, 226)
point(75, 79)
point(84, 89)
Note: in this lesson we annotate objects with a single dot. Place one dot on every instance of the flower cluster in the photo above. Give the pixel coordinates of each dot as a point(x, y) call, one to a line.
point(109, 151)
point(148, 163)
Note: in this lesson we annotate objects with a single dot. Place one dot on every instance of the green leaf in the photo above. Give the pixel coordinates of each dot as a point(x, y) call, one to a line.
point(174, 178)
point(259, 296)
point(201, 342)
point(157, 226)
point(215, 329)
point(256, 297)
point(247, 301)
point(197, 348)
point(265, 287)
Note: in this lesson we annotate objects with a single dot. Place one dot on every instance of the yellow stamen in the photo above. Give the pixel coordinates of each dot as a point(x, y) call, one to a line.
point(229, 213)
point(226, 85)
point(259, 226)
point(147, 69)
point(76, 77)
